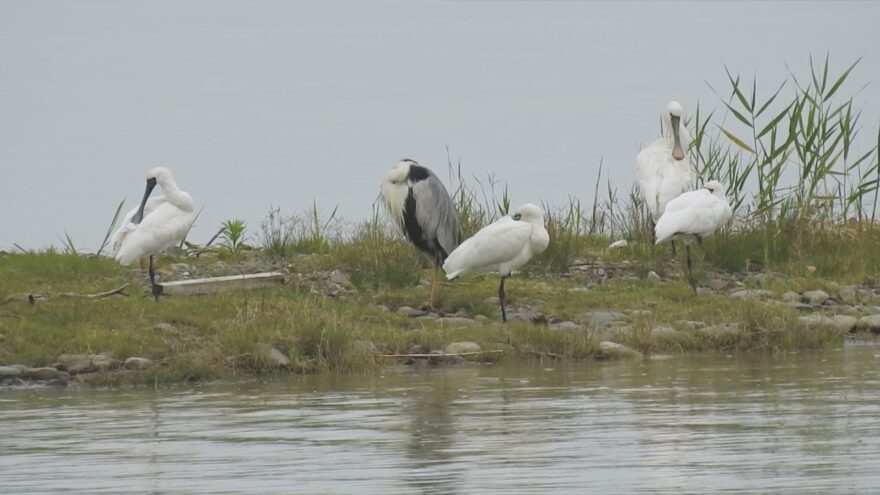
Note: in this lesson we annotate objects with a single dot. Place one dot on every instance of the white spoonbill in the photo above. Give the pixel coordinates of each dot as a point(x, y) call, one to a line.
point(663, 169)
point(692, 216)
point(502, 247)
point(419, 204)
point(156, 224)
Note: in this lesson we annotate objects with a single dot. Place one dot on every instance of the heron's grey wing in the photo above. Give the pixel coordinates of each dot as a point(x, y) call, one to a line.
point(435, 212)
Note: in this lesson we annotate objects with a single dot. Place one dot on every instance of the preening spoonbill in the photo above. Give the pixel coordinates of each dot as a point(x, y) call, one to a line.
point(663, 169)
point(502, 247)
point(692, 216)
point(157, 224)
point(419, 204)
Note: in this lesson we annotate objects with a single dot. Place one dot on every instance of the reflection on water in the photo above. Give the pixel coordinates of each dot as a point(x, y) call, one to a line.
point(795, 423)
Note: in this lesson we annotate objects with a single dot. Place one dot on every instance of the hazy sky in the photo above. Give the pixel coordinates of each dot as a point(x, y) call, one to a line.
point(253, 103)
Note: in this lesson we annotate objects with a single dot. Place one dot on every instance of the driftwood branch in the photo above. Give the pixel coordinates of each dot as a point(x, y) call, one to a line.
point(98, 295)
point(460, 354)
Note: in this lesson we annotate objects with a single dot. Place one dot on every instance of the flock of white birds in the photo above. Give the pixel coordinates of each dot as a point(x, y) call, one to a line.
point(420, 205)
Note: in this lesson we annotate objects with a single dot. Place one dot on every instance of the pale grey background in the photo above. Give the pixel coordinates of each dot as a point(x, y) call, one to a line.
point(259, 103)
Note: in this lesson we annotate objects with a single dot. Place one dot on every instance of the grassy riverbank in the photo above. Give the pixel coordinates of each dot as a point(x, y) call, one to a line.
point(332, 317)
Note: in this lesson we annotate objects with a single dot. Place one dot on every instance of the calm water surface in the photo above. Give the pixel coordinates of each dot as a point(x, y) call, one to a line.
point(796, 423)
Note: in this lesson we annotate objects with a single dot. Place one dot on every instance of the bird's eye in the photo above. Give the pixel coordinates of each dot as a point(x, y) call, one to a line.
point(517, 216)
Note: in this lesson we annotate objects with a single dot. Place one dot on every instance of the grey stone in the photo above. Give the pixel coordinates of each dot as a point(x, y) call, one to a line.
point(462, 347)
point(364, 346)
point(103, 362)
point(9, 372)
point(457, 321)
point(137, 363)
point(180, 267)
point(652, 275)
point(752, 294)
point(718, 284)
point(417, 349)
point(791, 296)
point(273, 355)
point(665, 332)
point(41, 374)
point(692, 324)
point(57, 382)
point(75, 363)
point(869, 323)
point(838, 322)
point(339, 277)
point(86, 363)
point(566, 326)
point(849, 294)
point(721, 331)
point(601, 318)
point(411, 312)
point(613, 350)
point(815, 297)
point(800, 306)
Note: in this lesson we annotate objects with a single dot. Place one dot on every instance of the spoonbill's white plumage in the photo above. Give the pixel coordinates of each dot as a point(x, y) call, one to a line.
point(501, 247)
point(418, 203)
point(663, 169)
point(692, 216)
point(157, 224)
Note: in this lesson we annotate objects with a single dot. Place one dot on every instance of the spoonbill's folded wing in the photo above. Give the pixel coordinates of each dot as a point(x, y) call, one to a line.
point(497, 243)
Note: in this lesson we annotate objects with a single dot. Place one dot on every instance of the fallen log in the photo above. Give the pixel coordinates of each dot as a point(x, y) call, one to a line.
point(221, 284)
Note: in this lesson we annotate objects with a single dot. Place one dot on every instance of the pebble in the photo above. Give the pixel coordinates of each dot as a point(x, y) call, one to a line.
point(618, 244)
point(601, 318)
point(137, 363)
point(613, 350)
point(457, 321)
point(840, 322)
point(721, 331)
point(791, 296)
point(462, 347)
point(364, 346)
point(869, 323)
point(665, 332)
point(9, 372)
point(42, 374)
point(567, 326)
point(815, 297)
point(411, 312)
point(273, 355)
point(752, 294)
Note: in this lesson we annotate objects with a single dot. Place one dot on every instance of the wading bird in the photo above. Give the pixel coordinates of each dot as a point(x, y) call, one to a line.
point(663, 170)
point(692, 216)
point(419, 204)
point(502, 247)
point(156, 224)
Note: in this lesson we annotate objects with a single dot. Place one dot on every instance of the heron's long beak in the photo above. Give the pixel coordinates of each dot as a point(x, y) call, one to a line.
point(677, 152)
point(136, 219)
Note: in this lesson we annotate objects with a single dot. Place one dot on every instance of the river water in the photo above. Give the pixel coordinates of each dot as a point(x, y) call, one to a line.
point(804, 422)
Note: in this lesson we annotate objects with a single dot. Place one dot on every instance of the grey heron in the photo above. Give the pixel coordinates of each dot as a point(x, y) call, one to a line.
point(419, 204)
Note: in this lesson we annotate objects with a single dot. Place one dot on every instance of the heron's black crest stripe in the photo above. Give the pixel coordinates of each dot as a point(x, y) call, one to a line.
point(418, 173)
